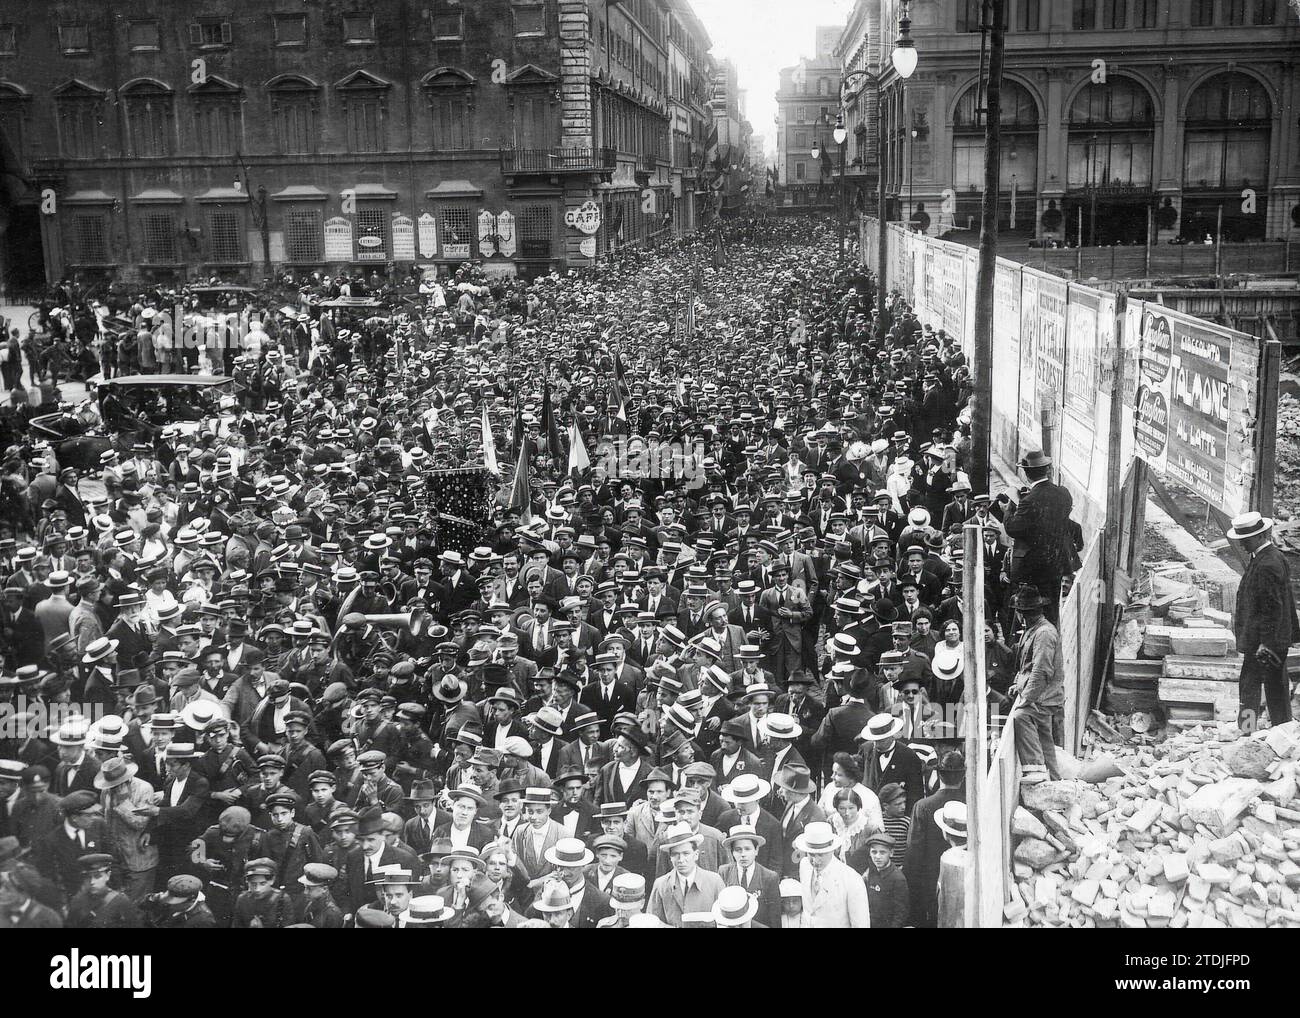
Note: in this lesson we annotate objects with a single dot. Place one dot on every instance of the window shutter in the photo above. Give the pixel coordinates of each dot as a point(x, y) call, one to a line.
point(225, 32)
point(196, 34)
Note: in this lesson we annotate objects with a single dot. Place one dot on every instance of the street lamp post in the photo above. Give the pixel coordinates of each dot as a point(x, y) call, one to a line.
point(904, 59)
point(841, 137)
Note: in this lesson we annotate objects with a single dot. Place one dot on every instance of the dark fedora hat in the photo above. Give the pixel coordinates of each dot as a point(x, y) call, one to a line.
point(1028, 598)
point(1035, 458)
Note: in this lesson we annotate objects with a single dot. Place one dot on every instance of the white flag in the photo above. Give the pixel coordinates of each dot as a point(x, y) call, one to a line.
point(489, 445)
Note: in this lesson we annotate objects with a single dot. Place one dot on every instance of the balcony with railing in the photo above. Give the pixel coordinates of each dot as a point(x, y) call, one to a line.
point(557, 160)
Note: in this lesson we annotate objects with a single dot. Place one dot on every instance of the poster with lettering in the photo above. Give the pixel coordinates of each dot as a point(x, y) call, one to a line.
point(1031, 433)
point(428, 235)
point(1006, 356)
point(338, 239)
point(952, 266)
point(1151, 416)
point(1050, 357)
point(1198, 435)
point(1079, 400)
point(403, 238)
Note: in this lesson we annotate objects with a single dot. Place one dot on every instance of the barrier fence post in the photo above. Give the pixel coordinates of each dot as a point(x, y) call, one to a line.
point(974, 714)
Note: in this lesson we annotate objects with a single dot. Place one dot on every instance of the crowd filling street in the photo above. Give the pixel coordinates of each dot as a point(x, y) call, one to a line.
point(318, 656)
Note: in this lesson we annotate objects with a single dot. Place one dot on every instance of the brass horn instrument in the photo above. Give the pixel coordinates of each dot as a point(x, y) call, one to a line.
point(416, 621)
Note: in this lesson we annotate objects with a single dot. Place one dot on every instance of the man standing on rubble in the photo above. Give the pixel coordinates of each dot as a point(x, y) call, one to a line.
point(1039, 689)
point(1264, 623)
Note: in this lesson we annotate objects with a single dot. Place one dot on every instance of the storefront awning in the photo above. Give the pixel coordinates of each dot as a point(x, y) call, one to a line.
point(95, 197)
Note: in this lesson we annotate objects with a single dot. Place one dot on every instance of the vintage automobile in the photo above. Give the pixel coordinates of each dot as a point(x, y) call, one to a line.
point(136, 406)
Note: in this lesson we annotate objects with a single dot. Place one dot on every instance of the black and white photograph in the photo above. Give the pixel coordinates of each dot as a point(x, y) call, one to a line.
point(650, 464)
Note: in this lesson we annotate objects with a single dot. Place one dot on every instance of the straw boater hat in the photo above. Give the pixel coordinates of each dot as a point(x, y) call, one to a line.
point(742, 833)
point(569, 852)
point(779, 726)
point(734, 906)
point(881, 726)
point(746, 787)
point(426, 910)
point(948, 661)
point(952, 819)
point(818, 838)
point(1249, 525)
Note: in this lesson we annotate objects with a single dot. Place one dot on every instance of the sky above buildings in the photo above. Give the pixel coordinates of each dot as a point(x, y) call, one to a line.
point(762, 36)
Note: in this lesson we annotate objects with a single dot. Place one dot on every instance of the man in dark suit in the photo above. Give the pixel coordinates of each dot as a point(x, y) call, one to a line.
point(607, 696)
point(747, 871)
point(622, 779)
point(733, 755)
point(797, 790)
point(133, 643)
point(76, 769)
point(1043, 553)
point(1264, 623)
point(796, 702)
point(587, 753)
point(56, 852)
point(180, 815)
point(886, 760)
point(926, 843)
point(418, 832)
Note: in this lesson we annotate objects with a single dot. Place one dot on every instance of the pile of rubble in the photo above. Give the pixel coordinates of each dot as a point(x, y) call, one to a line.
point(1199, 831)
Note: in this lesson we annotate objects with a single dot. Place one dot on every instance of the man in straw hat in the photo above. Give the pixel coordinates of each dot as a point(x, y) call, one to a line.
point(951, 820)
point(1264, 622)
point(1039, 689)
point(748, 873)
point(834, 896)
point(686, 887)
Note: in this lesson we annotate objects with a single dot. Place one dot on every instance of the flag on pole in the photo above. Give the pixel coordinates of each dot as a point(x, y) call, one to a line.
point(517, 433)
point(489, 445)
point(520, 492)
point(550, 427)
point(579, 461)
point(620, 387)
point(1012, 224)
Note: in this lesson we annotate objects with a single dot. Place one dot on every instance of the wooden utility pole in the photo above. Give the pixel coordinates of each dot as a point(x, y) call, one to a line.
point(994, 11)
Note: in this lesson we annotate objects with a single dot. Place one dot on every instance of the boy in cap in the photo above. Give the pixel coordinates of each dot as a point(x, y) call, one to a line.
point(289, 844)
point(887, 895)
point(180, 906)
point(319, 909)
point(262, 905)
point(97, 906)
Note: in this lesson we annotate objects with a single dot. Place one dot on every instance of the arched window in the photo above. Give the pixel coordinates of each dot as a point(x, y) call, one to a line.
point(1228, 122)
point(1111, 132)
point(1018, 115)
point(1225, 151)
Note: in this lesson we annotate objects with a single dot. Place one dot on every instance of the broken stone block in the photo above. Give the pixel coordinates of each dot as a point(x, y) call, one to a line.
point(1085, 892)
point(1054, 795)
point(1213, 873)
point(1025, 825)
point(1249, 758)
point(1036, 853)
point(1218, 804)
point(1175, 867)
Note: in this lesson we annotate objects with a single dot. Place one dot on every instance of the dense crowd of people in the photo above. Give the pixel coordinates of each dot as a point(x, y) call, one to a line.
point(715, 677)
